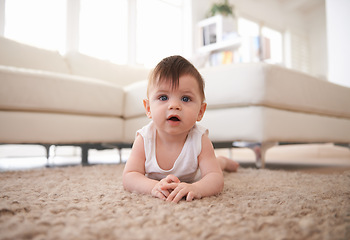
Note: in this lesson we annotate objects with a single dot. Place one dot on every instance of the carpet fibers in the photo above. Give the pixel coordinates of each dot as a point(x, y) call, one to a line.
point(90, 203)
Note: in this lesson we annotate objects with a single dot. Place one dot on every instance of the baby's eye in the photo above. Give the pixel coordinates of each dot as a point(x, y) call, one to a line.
point(163, 98)
point(186, 99)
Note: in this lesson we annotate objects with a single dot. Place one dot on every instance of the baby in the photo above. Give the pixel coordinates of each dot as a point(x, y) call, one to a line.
point(172, 157)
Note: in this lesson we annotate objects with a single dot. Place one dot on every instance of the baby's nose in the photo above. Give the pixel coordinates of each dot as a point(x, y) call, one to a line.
point(174, 105)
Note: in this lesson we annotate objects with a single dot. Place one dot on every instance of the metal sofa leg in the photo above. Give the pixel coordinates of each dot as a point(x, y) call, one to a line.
point(47, 148)
point(259, 148)
point(84, 155)
point(120, 154)
point(260, 152)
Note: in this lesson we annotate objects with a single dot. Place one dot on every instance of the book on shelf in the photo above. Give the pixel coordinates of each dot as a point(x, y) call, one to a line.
point(222, 57)
point(255, 49)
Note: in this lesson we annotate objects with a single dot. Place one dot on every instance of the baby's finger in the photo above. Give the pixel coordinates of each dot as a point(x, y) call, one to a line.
point(182, 193)
point(169, 186)
point(171, 178)
point(164, 192)
point(173, 194)
point(159, 195)
point(190, 197)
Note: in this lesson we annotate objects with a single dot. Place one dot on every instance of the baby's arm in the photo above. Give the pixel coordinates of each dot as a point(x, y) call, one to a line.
point(134, 179)
point(211, 183)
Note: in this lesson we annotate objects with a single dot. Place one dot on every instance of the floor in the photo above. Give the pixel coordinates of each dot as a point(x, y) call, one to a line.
point(290, 157)
point(296, 157)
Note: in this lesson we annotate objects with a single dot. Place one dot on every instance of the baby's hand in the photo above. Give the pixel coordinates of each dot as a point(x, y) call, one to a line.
point(181, 190)
point(161, 189)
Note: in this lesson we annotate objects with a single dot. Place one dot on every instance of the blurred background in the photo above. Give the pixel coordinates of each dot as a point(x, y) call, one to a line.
point(311, 36)
point(141, 32)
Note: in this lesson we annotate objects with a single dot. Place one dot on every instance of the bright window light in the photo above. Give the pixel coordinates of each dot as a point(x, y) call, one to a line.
point(259, 43)
point(40, 23)
point(249, 32)
point(103, 29)
point(275, 44)
point(248, 28)
point(159, 30)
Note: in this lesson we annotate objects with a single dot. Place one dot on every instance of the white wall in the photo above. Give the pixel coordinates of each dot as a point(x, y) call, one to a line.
point(317, 33)
point(338, 34)
point(2, 17)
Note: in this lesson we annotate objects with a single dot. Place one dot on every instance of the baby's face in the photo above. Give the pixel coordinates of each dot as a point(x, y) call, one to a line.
point(175, 111)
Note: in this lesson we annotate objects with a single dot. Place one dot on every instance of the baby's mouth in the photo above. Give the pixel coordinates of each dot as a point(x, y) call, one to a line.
point(173, 118)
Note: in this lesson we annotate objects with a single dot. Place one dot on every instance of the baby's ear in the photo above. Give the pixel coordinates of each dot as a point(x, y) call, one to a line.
point(147, 108)
point(201, 111)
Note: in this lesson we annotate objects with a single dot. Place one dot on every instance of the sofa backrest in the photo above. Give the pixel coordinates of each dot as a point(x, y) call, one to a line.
point(86, 66)
point(16, 54)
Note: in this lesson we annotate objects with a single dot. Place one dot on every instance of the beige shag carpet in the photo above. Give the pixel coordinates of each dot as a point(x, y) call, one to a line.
point(90, 203)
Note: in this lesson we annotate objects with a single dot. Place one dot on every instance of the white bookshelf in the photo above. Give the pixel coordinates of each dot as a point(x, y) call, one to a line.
point(217, 33)
point(222, 45)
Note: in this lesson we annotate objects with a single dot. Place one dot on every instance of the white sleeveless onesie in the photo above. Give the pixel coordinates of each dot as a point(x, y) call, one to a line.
point(186, 165)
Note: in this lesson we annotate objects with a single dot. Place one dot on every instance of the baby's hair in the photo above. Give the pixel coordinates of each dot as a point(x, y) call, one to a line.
point(170, 70)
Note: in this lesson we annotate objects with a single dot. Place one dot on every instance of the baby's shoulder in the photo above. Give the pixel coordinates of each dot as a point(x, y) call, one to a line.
point(200, 130)
point(147, 132)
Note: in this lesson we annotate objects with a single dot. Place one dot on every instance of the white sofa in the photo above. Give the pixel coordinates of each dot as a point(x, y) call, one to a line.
point(260, 105)
point(46, 98)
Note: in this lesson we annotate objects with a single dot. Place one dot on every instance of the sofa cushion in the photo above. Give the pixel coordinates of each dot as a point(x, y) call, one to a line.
point(39, 91)
point(273, 86)
point(132, 125)
point(55, 128)
point(15, 54)
point(264, 124)
point(134, 95)
point(95, 68)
